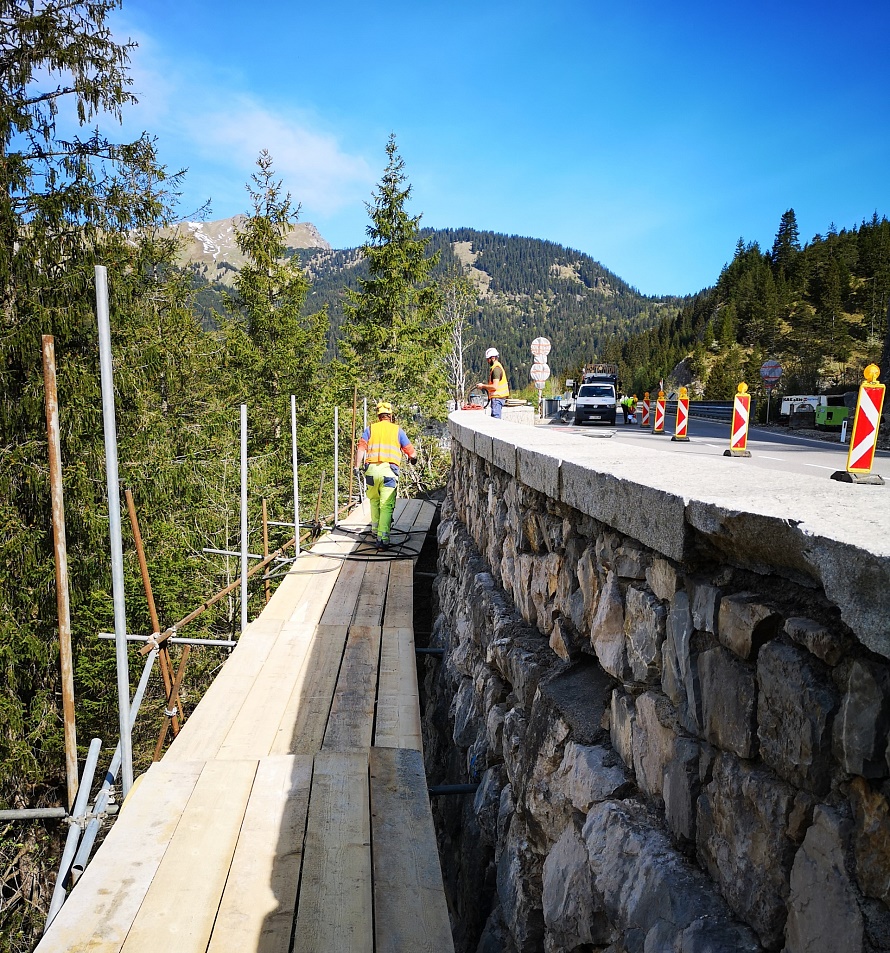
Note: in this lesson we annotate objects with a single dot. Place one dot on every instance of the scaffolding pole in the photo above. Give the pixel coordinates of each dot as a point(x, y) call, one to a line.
point(293, 441)
point(63, 604)
point(114, 528)
point(244, 543)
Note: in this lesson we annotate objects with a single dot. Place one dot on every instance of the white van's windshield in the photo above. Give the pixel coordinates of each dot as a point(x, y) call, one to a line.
point(596, 390)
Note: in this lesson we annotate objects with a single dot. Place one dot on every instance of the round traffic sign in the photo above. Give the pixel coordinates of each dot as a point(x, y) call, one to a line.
point(540, 349)
point(770, 371)
point(539, 372)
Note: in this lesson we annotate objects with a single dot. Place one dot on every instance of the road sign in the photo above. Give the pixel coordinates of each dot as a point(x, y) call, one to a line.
point(770, 372)
point(539, 372)
point(540, 349)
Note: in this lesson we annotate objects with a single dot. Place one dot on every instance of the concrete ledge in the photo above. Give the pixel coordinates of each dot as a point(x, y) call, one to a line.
point(813, 530)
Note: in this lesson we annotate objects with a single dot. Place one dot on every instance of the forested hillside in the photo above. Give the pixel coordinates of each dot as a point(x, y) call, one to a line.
point(820, 308)
point(525, 288)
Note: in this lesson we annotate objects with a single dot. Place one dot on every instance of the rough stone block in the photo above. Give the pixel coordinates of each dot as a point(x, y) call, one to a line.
point(654, 738)
point(871, 840)
point(823, 911)
point(571, 914)
point(663, 578)
point(487, 802)
point(745, 624)
point(483, 446)
point(644, 628)
point(744, 814)
point(862, 726)
point(589, 774)
point(519, 885)
point(830, 645)
point(607, 630)
point(704, 604)
point(656, 900)
point(680, 681)
point(466, 711)
point(623, 722)
point(729, 700)
point(681, 789)
point(796, 704)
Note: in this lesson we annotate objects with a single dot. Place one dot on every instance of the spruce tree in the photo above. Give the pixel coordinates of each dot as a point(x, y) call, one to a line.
point(395, 338)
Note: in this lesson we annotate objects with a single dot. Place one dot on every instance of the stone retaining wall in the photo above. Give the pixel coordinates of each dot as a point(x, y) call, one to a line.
point(677, 748)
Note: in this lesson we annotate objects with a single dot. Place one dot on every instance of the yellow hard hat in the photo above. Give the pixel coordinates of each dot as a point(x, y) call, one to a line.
point(384, 407)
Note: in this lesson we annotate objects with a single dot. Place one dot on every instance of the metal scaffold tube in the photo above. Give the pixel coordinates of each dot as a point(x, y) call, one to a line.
point(244, 542)
point(100, 805)
point(336, 464)
point(80, 803)
point(114, 526)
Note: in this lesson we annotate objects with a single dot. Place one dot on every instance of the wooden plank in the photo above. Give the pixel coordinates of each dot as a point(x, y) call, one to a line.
point(398, 705)
point(411, 915)
point(351, 721)
point(335, 911)
point(319, 575)
point(249, 655)
point(255, 729)
point(100, 910)
point(181, 904)
point(207, 726)
point(400, 595)
point(371, 599)
point(341, 604)
point(302, 725)
point(259, 901)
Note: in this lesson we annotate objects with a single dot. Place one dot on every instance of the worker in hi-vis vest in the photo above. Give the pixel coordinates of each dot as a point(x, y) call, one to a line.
point(497, 387)
point(380, 452)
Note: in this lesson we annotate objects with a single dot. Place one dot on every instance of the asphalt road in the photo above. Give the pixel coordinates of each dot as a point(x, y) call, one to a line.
point(770, 449)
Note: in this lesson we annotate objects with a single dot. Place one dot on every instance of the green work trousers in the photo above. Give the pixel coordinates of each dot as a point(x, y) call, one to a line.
point(381, 483)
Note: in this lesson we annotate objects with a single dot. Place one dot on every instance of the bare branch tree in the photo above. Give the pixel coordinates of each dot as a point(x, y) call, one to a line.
point(459, 303)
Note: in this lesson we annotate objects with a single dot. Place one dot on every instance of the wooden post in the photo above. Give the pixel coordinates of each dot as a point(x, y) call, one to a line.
point(177, 684)
point(164, 653)
point(63, 605)
point(267, 584)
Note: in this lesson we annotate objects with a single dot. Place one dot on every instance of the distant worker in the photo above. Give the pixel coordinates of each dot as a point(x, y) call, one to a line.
point(380, 453)
point(625, 403)
point(497, 387)
point(632, 409)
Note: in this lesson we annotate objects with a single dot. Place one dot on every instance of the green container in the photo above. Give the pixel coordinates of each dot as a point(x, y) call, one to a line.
point(831, 416)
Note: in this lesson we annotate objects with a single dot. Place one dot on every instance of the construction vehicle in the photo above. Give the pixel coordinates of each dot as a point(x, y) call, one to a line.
point(596, 399)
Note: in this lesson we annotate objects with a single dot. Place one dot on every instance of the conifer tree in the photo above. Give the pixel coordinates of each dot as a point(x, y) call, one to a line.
point(395, 339)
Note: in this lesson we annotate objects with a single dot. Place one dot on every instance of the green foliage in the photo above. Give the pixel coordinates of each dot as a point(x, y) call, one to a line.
point(395, 339)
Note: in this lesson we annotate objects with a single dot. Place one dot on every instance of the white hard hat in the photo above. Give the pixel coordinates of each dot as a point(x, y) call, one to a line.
point(491, 352)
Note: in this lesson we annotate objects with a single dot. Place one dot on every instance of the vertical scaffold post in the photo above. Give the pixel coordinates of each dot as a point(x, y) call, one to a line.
point(114, 529)
point(244, 547)
point(293, 442)
point(63, 604)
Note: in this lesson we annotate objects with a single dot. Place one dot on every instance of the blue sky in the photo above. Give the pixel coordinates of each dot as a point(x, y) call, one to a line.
point(649, 135)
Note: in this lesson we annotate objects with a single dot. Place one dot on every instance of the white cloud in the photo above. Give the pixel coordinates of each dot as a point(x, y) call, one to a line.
point(314, 168)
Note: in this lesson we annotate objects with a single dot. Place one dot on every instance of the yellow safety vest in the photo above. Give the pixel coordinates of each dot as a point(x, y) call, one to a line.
point(501, 389)
point(383, 443)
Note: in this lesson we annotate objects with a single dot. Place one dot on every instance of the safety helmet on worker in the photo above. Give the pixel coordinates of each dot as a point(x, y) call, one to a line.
point(491, 352)
point(384, 407)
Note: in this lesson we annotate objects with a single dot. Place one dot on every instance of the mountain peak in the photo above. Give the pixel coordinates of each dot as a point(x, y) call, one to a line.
point(211, 247)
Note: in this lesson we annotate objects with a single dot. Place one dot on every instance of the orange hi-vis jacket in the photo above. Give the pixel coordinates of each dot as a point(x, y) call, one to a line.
point(501, 388)
point(386, 442)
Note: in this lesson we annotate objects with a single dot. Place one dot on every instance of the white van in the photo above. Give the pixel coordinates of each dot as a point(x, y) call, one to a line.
point(596, 402)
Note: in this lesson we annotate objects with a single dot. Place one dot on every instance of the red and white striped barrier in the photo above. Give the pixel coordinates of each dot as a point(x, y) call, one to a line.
point(644, 410)
point(738, 434)
point(681, 425)
point(659, 413)
point(865, 431)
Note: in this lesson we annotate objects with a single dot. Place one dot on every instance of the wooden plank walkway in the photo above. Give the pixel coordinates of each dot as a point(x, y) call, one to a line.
point(291, 812)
